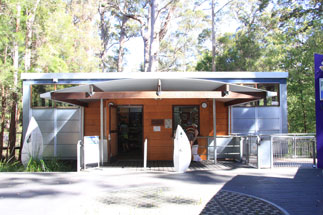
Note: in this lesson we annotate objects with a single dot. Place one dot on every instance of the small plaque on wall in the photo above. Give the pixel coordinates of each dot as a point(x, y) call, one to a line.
point(158, 122)
point(168, 123)
point(156, 128)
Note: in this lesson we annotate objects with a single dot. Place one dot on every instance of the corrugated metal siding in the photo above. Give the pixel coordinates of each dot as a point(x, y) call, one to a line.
point(67, 129)
point(256, 120)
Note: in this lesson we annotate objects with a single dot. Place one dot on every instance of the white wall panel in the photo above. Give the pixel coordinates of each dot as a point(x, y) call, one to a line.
point(268, 124)
point(268, 112)
point(68, 126)
point(243, 112)
point(66, 151)
point(48, 151)
point(67, 138)
point(43, 114)
point(48, 138)
point(67, 114)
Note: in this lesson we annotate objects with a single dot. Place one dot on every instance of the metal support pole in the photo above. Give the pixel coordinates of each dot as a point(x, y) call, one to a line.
point(101, 133)
point(79, 156)
point(229, 120)
point(258, 140)
point(294, 142)
point(248, 149)
point(241, 148)
point(145, 154)
point(214, 132)
point(271, 152)
point(314, 154)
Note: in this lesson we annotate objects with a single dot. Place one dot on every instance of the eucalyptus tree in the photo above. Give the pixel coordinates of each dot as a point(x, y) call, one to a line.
point(179, 48)
point(153, 18)
point(301, 33)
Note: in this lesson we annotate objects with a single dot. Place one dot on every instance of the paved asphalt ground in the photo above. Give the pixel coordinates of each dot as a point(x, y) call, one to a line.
point(132, 191)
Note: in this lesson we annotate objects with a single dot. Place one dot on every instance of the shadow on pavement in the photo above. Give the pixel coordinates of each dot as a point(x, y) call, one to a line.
point(300, 195)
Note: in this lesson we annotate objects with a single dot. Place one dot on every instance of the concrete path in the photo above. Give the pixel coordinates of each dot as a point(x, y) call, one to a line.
point(129, 191)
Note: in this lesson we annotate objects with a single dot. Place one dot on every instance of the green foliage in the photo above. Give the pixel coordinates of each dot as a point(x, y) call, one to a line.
point(284, 38)
point(205, 63)
point(6, 166)
point(35, 165)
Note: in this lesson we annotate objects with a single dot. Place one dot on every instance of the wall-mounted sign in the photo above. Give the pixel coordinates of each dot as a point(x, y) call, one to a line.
point(321, 88)
point(168, 123)
point(159, 122)
point(156, 128)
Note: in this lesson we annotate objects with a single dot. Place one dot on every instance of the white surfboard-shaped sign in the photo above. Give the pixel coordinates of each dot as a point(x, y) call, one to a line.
point(182, 151)
point(33, 143)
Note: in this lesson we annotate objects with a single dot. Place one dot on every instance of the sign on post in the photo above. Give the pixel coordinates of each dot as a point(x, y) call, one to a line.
point(318, 61)
point(91, 150)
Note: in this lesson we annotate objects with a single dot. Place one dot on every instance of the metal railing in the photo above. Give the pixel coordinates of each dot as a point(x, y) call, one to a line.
point(264, 151)
point(293, 150)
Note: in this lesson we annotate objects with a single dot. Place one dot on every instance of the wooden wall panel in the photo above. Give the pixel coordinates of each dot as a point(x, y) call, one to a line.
point(160, 144)
point(92, 119)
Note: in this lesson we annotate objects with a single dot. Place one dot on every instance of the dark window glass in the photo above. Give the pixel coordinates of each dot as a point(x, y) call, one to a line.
point(36, 90)
point(183, 115)
point(272, 101)
point(63, 104)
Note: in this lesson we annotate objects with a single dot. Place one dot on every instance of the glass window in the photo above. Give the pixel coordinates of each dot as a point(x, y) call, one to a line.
point(63, 104)
point(38, 102)
point(272, 101)
point(182, 115)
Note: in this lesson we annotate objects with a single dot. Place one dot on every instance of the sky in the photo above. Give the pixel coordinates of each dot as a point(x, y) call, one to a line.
point(134, 57)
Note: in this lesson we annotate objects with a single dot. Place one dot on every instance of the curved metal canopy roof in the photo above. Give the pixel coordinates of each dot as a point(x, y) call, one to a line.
point(158, 88)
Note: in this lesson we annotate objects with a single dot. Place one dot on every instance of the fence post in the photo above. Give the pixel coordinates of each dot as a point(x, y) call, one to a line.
point(271, 152)
point(248, 149)
point(78, 155)
point(314, 154)
point(241, 148)
point(258, 146)
point(294, 142)
point(145, 154)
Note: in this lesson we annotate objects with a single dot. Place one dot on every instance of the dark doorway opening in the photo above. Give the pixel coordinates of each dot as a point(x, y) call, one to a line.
point(130, 132)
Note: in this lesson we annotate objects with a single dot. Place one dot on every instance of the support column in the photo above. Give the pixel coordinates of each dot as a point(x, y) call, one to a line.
point(101, 132)
point(55, 132)
point(214, 132)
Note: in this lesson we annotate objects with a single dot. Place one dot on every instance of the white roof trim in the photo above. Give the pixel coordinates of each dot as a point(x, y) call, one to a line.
point(152, 85)
point(152, 75)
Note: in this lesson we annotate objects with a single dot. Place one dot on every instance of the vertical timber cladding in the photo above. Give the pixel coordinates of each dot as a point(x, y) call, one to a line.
point(92, 119)
point(160, 143)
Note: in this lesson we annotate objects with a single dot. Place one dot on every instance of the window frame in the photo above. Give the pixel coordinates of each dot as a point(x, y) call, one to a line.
point(186, 105)
point(54, 106)
point(256, 103)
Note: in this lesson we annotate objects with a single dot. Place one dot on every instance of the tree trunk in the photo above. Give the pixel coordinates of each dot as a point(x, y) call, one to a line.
point(13, 112)
point(29, 27)
point(213, 37)
point(154, 36)
point(303, 108)
point(122, 40)
point(13, 128)
point(3, 117)
point(104, 35)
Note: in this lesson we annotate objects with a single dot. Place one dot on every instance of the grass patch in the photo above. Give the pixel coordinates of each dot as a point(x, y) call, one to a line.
point(7, 166)
point(35, 165)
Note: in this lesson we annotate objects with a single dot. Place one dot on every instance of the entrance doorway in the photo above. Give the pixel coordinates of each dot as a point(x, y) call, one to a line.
point(130, 132)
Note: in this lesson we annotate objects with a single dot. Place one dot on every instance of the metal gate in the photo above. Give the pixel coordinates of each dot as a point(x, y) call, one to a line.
point(250, 150)
point(294, 150)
